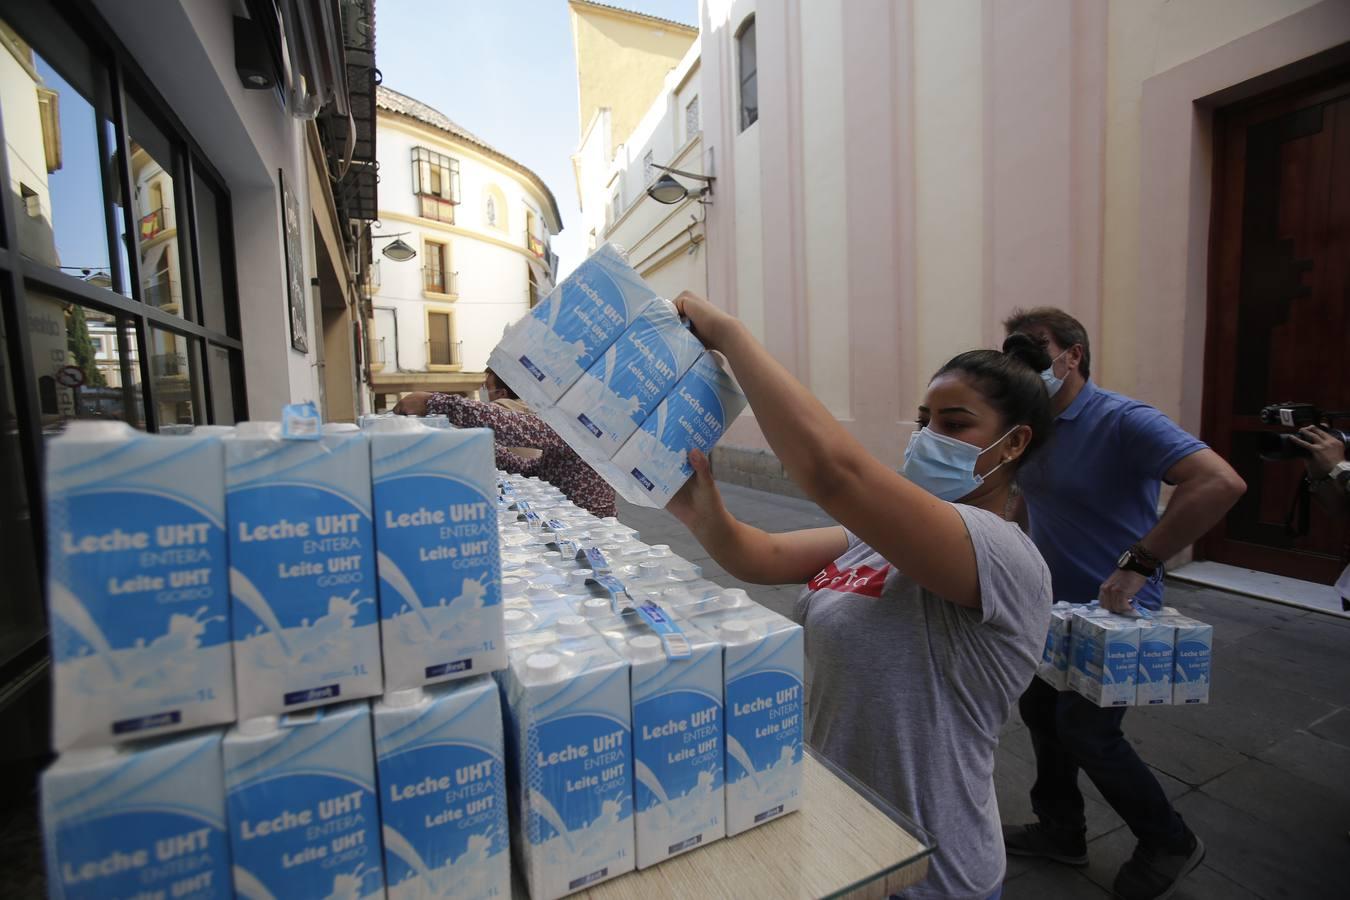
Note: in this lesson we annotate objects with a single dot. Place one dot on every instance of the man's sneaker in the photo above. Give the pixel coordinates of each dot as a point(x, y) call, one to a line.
point(1063, 845)
point(1153, 874)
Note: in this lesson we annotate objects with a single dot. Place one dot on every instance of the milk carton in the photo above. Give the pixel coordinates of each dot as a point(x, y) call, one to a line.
point(1157, 644)
point(136, 584)
point(762, 673)
point(1194, 653)
point(443, 791)
point(655, 460)
point(617, 393)
point(300, 792)
point(302, 568)
point(1105, 657)
point(546, 352)
point(677, 739)
point(438, 561)
point(137, 820)
point(1054, 665)
point(569, 761)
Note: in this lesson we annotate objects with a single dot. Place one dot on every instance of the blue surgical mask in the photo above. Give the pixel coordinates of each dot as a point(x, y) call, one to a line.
point(1052, 381)
point(944, 466)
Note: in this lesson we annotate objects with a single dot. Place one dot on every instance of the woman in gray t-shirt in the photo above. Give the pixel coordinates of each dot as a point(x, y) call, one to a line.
point(925, 611)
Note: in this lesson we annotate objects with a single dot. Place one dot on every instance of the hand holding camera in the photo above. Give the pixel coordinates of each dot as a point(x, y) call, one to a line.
point(1325, 450)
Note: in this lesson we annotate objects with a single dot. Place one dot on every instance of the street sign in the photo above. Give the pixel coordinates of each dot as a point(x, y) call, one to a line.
point(70, 376)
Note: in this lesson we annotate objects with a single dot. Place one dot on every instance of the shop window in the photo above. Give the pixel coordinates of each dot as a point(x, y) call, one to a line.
point(223, 368)
point(83, 372)
point(435, 184)
point(211, 255)
point(747, 72)
point(175, 375)
point(166, 282)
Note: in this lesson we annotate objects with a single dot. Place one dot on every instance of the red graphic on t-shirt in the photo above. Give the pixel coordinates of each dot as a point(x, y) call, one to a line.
point(863, 580)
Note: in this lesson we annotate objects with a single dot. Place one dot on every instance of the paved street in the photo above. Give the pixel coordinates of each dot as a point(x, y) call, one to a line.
point(1262, 773)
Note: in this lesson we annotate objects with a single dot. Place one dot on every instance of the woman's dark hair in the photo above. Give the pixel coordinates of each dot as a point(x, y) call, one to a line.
point(501, 385)
point(1011, 381)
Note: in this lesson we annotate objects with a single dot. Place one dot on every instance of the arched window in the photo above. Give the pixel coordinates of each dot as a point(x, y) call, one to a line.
point(747, 69)
point(490, 211)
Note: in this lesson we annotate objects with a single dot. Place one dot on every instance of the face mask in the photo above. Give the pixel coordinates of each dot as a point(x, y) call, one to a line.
point(944, 466)
point(1052, 381)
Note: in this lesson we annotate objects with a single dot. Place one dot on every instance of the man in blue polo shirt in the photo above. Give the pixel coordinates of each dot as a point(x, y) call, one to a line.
point(1090, 500)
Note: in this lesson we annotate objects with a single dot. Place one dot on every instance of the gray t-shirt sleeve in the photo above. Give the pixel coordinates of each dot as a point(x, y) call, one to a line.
point(1009, 567)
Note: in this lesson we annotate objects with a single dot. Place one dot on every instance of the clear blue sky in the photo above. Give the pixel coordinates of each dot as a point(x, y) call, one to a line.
point(504, 70)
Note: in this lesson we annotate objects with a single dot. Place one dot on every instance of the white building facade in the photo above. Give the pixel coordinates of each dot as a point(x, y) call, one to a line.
point(481, 225)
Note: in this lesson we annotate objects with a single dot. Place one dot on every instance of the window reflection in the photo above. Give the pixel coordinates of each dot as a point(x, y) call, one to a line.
point(52, 138)
point(79, 363)
point(175, 367)
point(155, 214)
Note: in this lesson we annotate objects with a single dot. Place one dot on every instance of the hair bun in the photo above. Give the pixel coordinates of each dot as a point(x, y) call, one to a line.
point(1031, 352)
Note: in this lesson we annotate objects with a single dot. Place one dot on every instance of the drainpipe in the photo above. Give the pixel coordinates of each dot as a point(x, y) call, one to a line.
point(394, 311)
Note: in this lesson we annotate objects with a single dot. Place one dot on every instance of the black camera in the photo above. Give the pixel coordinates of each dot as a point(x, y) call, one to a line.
point(1276, 446)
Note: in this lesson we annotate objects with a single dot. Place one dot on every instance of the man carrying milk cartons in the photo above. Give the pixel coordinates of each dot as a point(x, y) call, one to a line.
point(1090, 500)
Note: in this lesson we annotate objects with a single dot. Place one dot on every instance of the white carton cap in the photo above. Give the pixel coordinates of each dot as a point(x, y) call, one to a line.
point(660, 551)
point(596, 608)
point(733, 598)
point(645, 646)
point(259, 725)
point(515, 620)
point(403, 698)
point(579, 576)
point(734, 630)
point(543, 663)
point(573, 626)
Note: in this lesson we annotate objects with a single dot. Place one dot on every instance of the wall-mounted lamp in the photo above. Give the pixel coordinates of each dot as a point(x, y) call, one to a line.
point(251, 59)
point(668, 191)
point(399, 250)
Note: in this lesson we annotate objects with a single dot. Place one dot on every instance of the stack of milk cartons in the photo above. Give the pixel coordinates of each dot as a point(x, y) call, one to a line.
point(616, 373)
point(678, 732)
point(1054, 665)
point(569, 739)
point(1192, 662)
point(139, 612)
point(762, 678)
point(438, 560)
point(442, 779)
point(302, 568)
point(1105, 664)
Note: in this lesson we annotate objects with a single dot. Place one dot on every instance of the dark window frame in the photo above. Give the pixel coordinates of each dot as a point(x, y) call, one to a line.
point(38, 24)
point(746, 37)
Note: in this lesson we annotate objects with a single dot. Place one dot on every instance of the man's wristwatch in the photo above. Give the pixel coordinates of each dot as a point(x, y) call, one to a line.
point(1138, 560)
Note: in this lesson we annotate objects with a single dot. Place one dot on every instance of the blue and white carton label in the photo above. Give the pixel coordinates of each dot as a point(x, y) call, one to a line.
point(654, 462)
point(300, 794)
point(438, 552)
point(762, 676)
point(569, 733)
point(547, 351)
point(1193, 661)
point(678, 739)
point(1105, 665)
point(442, 775)
point(137, 584)
point(1054, 665)
point(302, 569)
point(1157, 650)
point(141, 820)
point(623, 387)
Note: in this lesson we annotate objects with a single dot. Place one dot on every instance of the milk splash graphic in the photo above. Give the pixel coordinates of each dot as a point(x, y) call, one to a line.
point(762, 670)
point(301, 805)
point(136, 584)
point(443, 791)
point(302, 571)
point(137, 820)
point(544, 354)
point(438, 557)
point(570, 754)
point(678, 735)
point(618, 392)
point(654, 462)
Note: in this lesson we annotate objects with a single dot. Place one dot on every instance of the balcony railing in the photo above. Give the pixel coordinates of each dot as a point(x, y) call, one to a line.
point(154, 222)
point(377, 352)
point(372, 282)
point(439, 353)
point(168, 365)
point(439, 281)
point(162, 293)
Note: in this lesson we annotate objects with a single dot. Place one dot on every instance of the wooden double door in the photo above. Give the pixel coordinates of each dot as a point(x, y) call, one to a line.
point(1279, 310)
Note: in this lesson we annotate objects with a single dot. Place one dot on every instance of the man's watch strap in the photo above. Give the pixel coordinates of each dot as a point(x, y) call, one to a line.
point(1140, 561)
